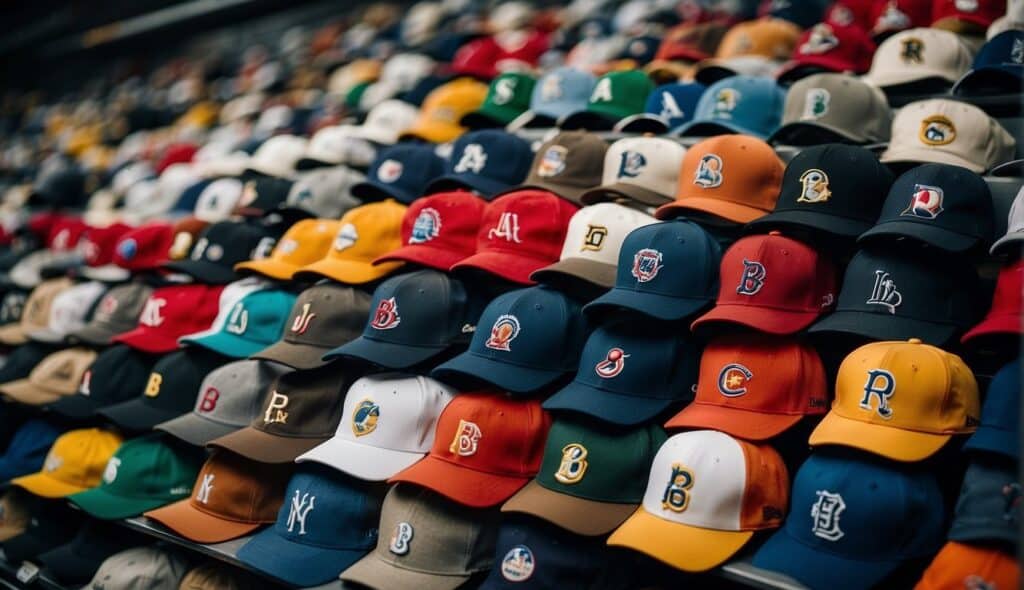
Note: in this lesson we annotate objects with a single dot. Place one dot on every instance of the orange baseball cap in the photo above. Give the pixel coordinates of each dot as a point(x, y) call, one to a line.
point(441, 115)
point(364, 234)
point(733, 177)
point(901, 400)
point(771, 40)
point(742, 392)
point(958, 566)
point(304, 243)
point(74, 464)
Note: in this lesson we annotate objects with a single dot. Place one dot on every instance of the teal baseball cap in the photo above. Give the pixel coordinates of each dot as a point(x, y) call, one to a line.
point(737, 104)
point(254, 322)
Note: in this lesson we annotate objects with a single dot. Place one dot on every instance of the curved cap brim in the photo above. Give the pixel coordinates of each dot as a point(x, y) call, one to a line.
point(615, 408)
point(885, 327)
point(508, 266)
point(745, 424)
point(662, 307)
point(735, 212)
point(465, 486)
point(681, 546)
point(514, 378)
point(771, 320)
point(425, 255)
point(939, 237)
point(373, 572)
point(45, 486)
point(201, 527)
point(298, 564)
point(293, 355)
point(196, 429)
point(813, 220)
point(360, 461)
point(578, 515)
point(386, 354)
point(265, 448)
point(818, 569)
point(886, 441)
point(106, 506)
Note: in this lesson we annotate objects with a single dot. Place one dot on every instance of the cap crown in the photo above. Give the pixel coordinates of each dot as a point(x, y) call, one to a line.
point(79, 457)
point(573, 159)
point(229, 242)
point(837, 47)
point(492, 155)
point(732, 168)
point(841, 102)
point(176, 378)
point(117, 374)
point(326, 315)
point(368, 231)
point(509, 91)
point(70, 308)
point(233, 394)
point(304, 404)
point(62, 371)
point(997, 413)
point(325, 193)
point(620, 94)
point(148, 467)
point(447, 221)
point(527, 223)
point(232, 487)
point(596, 232)
point(144, 247)
point(305, 242)
point(178, 310)
point(218, 199)
point(408, 168)
point(917, 54)
point(751, 103)
point(651, 163)
point(119, 309)
point(325, 509)
point(258, 318)
point(773, 38)
point(562, 91)
point(422, 308)
point(674, 104)
point(36, 315)
point(447, 103)
point(1007, 301)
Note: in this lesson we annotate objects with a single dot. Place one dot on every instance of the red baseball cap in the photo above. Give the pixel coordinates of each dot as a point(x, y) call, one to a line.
point(850, 12)
point(829, 47)
point(64, 233)
point(98, 243)
point(170, 313)
point(176, 153)
point(1004, 317)
point(773, 284)
point(893, 16)
point(972, 17)
point(487, 446)
point(145, 247)
point(742, 392)
point(443, 230)
point(520, 232)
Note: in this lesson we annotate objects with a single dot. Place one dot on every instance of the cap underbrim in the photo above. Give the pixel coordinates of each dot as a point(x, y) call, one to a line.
point(268, 267)
point(884, 327)
point(385, 354)
point(822, 131)
point(616, 408)
point(1011, 168)
point(266, 448)
point(106, 506)
point(531, 120)
point(293, 355)
point(465, 486)
point(996, 324)
point(683, 547)
point(642, 123)
point(486, 187)
point(299, 564)
point(514, 378)
point(709, 128)
point(1007, 243)
point(578, 515)
point(148, 340)
point(591, 271)
point(983, 80)
point(13, 334)
point(96, 335)
point(620, 190)
point(506, 265)
point(45, 486)
point(840, 226)
point(25, 392)
point(372, 190)
point(894, 443)
point(203, 271)
point(360, 461)
point(662, 307)
point(425, 255)
point(765, 319)
point(900, 76)
point(737, 422)
point(185, 520)
point(818, 569)
point(939, 237)
point(136, 415)
point(735, 212)
point(587, 120)
point(109, 273)
point(918, 155)
point(373, 572)
point(569, 193)
point(346, 271)
point(195, 429)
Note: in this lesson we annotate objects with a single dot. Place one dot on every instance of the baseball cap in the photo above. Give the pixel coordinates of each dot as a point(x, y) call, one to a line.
point(833, 108)
point(324, 316)
point(384, 122)
point(327, 523)
point(75, 562)
point(36, 315)
point(324, 193)
point(414, 317)
point(854, 520)
point(900, 400)
point(118, 311)
point(218, 200)
point(219, 248)
point(23, 358)
point(550, 330)
point(568, 165)
point(487, 162)
point(1010, 241)
point(51, 525)
point(145, 247)
point(966, 17)
point(957, 562)
point(170, 391)
point(229, 399)
point(1000, 425)
point(56, 376)
point(519, 233)
point(145, 473)
point(426, 542)
point(442, 111)
point(629, 372)
point(117, 374)
point(169, 313)
point(917, 56)
point(231, 498)
point(773, 284)
point(668, 106)
point(68, 311)
point(508, 96)
point(592, 475)
point(707, 494)
point(899, 295)
point(640, 169)
point(305, 242)
point(365, 233)
point(615, 96)
point(444, 228)
point(15, 514)
point(833, 189)
point(301, 410)
point(12, 305)
point(690, 42)
point(184, 234)
point(74, 464)
point(260, 195)
point(944, 206)
point(558, 93)
point(888, 17)
point(732, 177)
point(337, 145)
point(1004, 315)
point(948, 132)
point(987, 509)
point(995, 71)
point(401, 172)
point(215, 575)
point(487, 446)
point(738, 104)
point(765, 42)
point(97, 245)
point(140, 568)
point(27, 449)
point(254, 322)
point(278, 155)
point(387, 424)
point(829, 47)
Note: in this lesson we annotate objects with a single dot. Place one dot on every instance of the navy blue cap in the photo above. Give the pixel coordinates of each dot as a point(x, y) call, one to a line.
point(414, 317)
point(998, 67)
point(526, 339)
point(669, 106)
point(640, 49)
point(802, 13)
point(190, 196)
point(666, 270)
point(989, 506)
point(630, 372)
point(737, 104)
point(328, 522)
point(853, 521)
point(1000, 421)
point(488, 162)
point(400, 172)
point(28, 448)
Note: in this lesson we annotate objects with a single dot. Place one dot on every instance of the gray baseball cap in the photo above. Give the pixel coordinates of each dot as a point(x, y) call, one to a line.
point(230, 397)
point(118, 311)
point(833, 108)
point(427, 542)
point(988, 508)
point(324, 193)
point(140, 568)
point(68, 312)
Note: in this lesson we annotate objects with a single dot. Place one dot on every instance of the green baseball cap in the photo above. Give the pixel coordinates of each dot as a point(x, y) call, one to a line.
point(593, 475)
point(507, 97)
point(145, 473)
point(616, 95)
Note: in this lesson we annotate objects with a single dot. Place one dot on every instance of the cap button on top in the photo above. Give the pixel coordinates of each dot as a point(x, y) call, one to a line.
point(914, 341)
point(775, 232)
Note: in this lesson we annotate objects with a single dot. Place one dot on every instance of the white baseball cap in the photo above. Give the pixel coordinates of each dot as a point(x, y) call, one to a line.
point(336, 145)
point(387, 424)
point(68, 311)
point(385, 122)
point(325, 193)
point(706, 495)
point(590, 251)
point(948, 132)
point(1014, 225)
point(218, 200)
point(642, 169)
point(916, 55)
point(172, 182)
point(127, 177)
point(278, 155)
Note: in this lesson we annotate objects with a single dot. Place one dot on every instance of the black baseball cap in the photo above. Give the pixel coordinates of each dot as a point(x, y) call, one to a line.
point(220, 247)
point(835, 189)
point(118, 374)
point(51, 524)
point(76, 562)
point(898, 295)
point(413, 318)
point(945, 206)
point(263, 194)
point(23, 359)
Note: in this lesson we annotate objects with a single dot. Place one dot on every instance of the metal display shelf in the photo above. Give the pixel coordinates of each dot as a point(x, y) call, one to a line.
point(25, 575)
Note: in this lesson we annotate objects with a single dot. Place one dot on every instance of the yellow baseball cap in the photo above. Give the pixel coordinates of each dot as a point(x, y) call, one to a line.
point(364, 233)
point(75, 463)
point(444, 108)
point(304, 243)
point(901, 400)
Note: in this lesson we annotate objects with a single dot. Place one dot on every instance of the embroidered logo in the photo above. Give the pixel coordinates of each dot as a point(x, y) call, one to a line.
point(238, 320)
point(110, 471)
point(732, 380)
point(386, 315)
point(880, 385)
point(346, 237)
point(821, 40)
point(506, 229)
point(52, 463)
point(1017, 51)
point(474, 158)
point(594, 240)
point(153, 385)
point(646, 264)
point(301, 322)
point(825, 515)
point(725, 102)
point(389, 171)
point(573, 465)
point(602, 91)
point(208, 402)
point(552, 163)
point(912, 50)
point(884, 292)
point(152, 314)
point(709, 171)
point(300, 507)
point(752, 278)
point(926, 202)
point(276, 413)
point(205, 487)
point(503, 332)
point(504, 91)
point(365, 416)
point(937, 130)
point(815, 187)
point(426, 227)
point(518, 564)
point(677, 492)
point(467, 437)
point(670, 108)
point(612, 364)
point(128, 248)
point(401, 538)
point(551, 88)
point(631, 164)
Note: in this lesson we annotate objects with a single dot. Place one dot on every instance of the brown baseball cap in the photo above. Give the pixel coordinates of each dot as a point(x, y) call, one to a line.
point(56, 376)
point(36, 315)
point(301, 410)
point(232, 497)
point(570, 164)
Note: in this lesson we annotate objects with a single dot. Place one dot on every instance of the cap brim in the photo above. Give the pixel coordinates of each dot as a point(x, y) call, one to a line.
point(425, 255)
point(46, 335)
point(832, 224)
point(894, 443)
point(136, 415)
point(12, 334)
point(226, 344)
point(45, 486)
point(818, 569)
point(373, 572)
point(771, 320)
point(76, 407)
point(995, 324)
point(514, 378)
point(268, 267)
point(266, 448)
point(591, 271)
point(195, 429)
point(621, 190)
point(483, 120)
point(984, 81)
point(681, 546)
point(298, 564)
point(506, 265)
point(615, 408)
point(25, 392)
point(587, 120)
point(66, 564)
point(662, 307)
point(106, 506)
point(292, 355)
point(433, 133)
point(385, 354)
point(642, 123)
point(578, 515)
point(1011, 168)
point(372, 190)
point(360, 461)
point(346, 271)
point(454, 182)
point(936, 236)
point(203, 271)
point(201, 527)
point(740, 423)
point(531, 120)
point(923, 155)
point(109, 273)
point(465, 486)
point(735, 212)
point(707, 128)
point(1007, 243)
point(148, 340)
point(884, 327)
point(569, 193)
point(96, 335)
point(812, 133)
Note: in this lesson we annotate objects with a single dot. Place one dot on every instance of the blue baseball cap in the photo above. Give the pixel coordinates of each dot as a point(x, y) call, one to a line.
point(853, 521)
point(525, 340)
point(190, 196)
point(28, 448)
point(400, 172)
point(488, 162)
point(669, 106)
point(1000, 421)
point(738, 104)
point(666, 270)
point(413, 318)
point(630, 372)
point(328, 522)
point(989, 507)
point(253, 323)
point(998, 67)
point(803, 13)
point(558, 93)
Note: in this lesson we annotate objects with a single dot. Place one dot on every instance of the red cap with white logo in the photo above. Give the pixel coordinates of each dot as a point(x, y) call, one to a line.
point(444, 228)
point(170, 313)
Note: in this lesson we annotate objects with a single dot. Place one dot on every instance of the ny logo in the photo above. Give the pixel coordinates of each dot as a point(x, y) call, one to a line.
point(152, 313)
point(825, 514)
point(676, 497)
point(275, 413)
point(752, 278)
point(205, 487)
point(466, 440)
point(474, 158)
point(884, 292)
point(573, 465)
point(299, 510)
point(238, 320)
point(880, 384)
point(507, 228)
point(301, 322)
